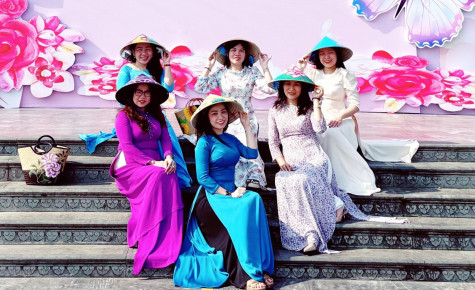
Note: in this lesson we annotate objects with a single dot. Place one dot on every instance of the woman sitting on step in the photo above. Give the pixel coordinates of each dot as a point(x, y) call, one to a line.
point(308, 199)
point(227, 238)
point(149, 182)
point(339, 104)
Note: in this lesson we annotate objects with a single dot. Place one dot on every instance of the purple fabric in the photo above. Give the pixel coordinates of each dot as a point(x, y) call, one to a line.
point(156, 222)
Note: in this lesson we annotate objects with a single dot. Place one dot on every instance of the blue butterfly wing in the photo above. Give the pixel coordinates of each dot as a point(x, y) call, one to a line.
point(369, 9)
point(432, 22)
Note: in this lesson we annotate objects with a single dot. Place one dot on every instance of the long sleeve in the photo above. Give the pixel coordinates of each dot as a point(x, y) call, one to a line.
point(123, 77)
point(165, 140)
point(273, 135)
point(124, 133)
point(351, 88)
point(207, 84)
point(318, 126)
point(245, 151)
point(260, 81)
point(202, 158)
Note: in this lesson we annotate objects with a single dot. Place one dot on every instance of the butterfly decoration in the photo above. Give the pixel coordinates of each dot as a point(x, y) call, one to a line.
point(429, 22)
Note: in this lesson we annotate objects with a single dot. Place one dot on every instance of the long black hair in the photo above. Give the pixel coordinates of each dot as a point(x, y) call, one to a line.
point(231, 44)
point(315, 58)
point(153, 66)
point(203, 126)
point(303, 102)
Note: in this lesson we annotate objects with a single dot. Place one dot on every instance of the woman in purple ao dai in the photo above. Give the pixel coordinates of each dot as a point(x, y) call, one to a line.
point(149, 182)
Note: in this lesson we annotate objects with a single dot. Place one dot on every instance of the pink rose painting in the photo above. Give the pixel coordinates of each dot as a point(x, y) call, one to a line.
point(13, 8)
point(401, 81)
point(35, 53)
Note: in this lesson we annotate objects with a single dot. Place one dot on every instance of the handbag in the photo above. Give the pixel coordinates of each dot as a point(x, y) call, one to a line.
point(43, 162)
point(184, 115)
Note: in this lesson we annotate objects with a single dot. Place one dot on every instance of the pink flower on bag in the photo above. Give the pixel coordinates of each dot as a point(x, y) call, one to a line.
point(13, 8)
point(51, 33)
point(48, 159)
point(52, 170)
point(18, 49)
point(406, 86)
point(295, 72)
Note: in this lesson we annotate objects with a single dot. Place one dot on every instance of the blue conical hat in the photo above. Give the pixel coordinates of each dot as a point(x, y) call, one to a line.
point(293, 73)
point(346, 53)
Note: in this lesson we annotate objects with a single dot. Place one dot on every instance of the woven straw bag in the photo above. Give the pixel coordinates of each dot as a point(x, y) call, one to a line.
point(43, 162)
point(184, 115)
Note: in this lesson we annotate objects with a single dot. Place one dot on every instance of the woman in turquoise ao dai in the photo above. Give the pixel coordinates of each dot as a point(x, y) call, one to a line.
point(144, 55)
point(227, 239)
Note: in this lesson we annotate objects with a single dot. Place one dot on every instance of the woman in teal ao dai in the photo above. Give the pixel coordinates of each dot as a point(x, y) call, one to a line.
point(227, 240)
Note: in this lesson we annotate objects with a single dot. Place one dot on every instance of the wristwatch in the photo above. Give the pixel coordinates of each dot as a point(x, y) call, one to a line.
point(228, 193)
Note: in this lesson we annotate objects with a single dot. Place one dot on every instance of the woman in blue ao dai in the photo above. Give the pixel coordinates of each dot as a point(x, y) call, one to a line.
point(227, 239)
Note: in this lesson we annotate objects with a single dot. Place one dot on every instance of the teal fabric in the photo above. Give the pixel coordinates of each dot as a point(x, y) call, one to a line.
point(199, 265)
point(92, 140)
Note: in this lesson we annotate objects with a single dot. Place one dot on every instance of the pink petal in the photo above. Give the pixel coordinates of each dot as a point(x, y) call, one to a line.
point(383, 56)
point(180, 51)
point(52, 22)
point(40, 91)
point(67, 85)
point(72, 35)
point(38, 22)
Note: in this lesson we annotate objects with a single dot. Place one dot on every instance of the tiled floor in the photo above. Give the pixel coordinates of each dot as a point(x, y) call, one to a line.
point(32, 123)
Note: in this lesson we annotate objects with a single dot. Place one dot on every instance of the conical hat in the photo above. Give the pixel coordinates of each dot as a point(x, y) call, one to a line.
point(254, 51)
point(346, 53)
point(293, 73)
point(234, 108)
point(126, 51)
point(126, 93)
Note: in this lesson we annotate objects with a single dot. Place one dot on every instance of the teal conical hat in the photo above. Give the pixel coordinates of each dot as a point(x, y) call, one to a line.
point(346, 53)
point(293, 73)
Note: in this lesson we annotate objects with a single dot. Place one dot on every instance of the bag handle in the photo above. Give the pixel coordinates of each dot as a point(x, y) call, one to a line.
point(194, 100)
point(50, 146)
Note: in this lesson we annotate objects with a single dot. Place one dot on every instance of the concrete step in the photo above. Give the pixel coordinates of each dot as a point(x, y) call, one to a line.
point(421, 233)
point(71, 261)
point(111, 228)
point(64, 228)
point(83, 169)
point(360, 264)
point(379, 264)
point(428, 151)
point(429, 202)
point(167, 284)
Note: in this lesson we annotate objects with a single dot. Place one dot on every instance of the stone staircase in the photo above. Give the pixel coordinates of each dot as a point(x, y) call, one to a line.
point(78, 229)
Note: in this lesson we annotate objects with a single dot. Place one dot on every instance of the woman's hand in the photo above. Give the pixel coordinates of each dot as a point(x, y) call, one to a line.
point(240, 191)
point(285, 167)
point(166, 57)
point(245, 120)
point(302, 63)
point(212, 60)
point(264, 59)
point(335, 122)
point(170, 165)
point(317, 93)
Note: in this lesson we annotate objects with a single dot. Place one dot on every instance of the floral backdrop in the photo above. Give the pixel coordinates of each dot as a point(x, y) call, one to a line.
point(38, 52)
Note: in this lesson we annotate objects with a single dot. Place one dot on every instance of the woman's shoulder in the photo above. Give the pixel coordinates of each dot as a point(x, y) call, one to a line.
point(126, 67)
